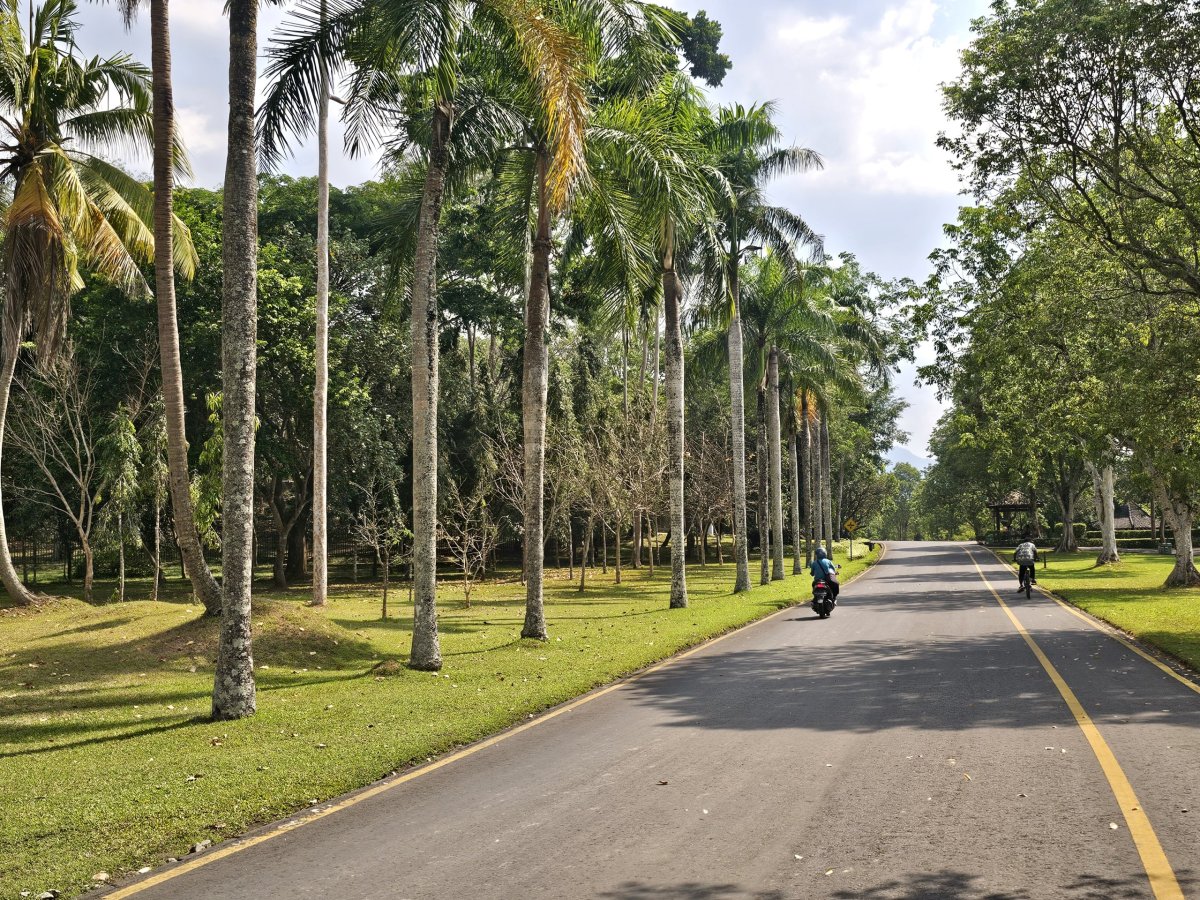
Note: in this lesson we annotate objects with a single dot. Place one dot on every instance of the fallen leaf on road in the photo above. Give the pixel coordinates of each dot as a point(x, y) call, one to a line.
point(662, 782)
point(1113, 825)
point(966, 776)
point(829, 872)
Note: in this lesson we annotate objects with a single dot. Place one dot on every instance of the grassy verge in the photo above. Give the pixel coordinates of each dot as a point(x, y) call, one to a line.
point(1130, 596)
point(109, 764)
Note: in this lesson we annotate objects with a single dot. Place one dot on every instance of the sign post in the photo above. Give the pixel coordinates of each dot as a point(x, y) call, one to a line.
point(851, 526)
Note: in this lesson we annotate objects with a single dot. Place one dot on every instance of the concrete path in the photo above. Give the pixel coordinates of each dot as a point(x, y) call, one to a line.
point(912, 746)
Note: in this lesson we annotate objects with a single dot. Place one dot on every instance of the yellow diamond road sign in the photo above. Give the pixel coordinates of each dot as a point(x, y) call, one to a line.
point(851, 526)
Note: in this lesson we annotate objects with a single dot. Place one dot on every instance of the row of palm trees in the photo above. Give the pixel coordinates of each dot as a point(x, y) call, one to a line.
point(600, 144)
point(71, 211)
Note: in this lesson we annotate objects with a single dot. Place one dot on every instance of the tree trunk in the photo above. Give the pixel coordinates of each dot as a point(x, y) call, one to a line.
point(426, 648)
point(635, 552)
point(603, 549)
point(737, 407)
point(672, 301)
point(234, 690)
point(764, 527)
point(533, 405)
point(617, 541)
point(1178, 513)
point(587, 547)
point(157, 576)
point(203, 583)
point(1102, 487)
point(1066, 504)
point(20, 594)
point(387, 559)
point(89, 570)
point(320, 523)
point(120, 558)
point(794, 465)
point(650, 541)
point(775, 463)
point(805, 451)
point(826, 487)
point(570, 550)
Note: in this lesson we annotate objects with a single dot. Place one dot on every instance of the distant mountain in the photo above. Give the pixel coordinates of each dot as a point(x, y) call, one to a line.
point(904, 455)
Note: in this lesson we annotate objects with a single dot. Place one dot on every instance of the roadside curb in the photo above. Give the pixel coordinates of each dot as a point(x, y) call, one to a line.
point(1156, 656)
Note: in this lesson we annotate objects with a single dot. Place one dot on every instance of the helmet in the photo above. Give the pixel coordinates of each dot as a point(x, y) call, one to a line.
point(821, 554)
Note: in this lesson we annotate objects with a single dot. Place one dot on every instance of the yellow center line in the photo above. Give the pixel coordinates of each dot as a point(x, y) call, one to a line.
point(238, 845)
point(1105, 629)
point(1158, 870)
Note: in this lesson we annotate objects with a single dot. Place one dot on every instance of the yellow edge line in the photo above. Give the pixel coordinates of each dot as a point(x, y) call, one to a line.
point(1154, 860)
point(296, 822)
point(1104, 628)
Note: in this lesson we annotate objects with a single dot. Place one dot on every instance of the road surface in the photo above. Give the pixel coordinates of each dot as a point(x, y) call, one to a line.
point(912, 746)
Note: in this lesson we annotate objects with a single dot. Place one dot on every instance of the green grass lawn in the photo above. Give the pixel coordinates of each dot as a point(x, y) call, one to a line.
point(108, 762)
point(1130, 596)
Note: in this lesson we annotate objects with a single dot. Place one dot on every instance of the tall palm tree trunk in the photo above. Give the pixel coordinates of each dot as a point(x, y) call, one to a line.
point(190, 549)
point(672, 301)
point(737, 408)
point(818, 474)
point(234, 690)
point(20, 594)
point(826, 487)
point(794, 466)
point(805, 450)
point(320, 510)
point(764, 524)
point(775, 471)
point(426, 648)
point(534, 387)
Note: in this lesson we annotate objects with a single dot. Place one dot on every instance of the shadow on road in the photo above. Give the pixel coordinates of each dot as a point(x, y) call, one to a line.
point(939, 683)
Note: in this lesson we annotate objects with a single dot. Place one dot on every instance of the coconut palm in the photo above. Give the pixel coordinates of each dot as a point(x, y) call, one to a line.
point(605, 31)
point(410, 66)
point(167, 163)
point(233, 686)
point(70, 210)
point(675, 186)
point(745, 144)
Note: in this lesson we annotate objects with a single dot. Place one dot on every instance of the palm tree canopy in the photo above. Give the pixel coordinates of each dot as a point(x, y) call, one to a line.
point(403, 56)
point(70, 208)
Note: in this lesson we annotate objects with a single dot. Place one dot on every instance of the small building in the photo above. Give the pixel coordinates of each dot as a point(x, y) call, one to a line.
point(1128, 517)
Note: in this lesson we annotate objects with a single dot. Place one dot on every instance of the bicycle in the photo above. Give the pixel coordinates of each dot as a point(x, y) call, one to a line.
point(1025, 580)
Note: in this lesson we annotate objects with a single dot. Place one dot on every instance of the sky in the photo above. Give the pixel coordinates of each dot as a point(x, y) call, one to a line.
point(857, 81)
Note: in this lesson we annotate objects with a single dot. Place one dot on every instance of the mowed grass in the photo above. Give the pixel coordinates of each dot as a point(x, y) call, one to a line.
point(1130, 596)
point(108, 762)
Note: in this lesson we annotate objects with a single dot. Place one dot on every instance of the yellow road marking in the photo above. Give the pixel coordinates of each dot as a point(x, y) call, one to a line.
point(237, 846)
point(1104, 629)
point(1158, 870)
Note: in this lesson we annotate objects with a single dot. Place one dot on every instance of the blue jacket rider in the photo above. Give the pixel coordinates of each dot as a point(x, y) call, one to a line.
point(823, 569)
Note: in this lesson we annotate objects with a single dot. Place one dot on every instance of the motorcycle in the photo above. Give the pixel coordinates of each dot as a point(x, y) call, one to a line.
point(822, 601)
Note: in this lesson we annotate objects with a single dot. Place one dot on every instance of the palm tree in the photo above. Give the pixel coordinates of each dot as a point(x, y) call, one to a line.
point(411, 61)
point(675, 186)
point(168, 161)
point(745, 143)
point(276, 71)
point(70, 208)
point(234, 693)
point(602, 30)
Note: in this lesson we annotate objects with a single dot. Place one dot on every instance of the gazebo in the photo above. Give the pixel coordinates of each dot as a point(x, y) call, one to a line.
point(1004, 508)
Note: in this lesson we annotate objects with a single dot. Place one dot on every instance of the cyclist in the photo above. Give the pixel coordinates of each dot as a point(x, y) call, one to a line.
point(1026, 557)
point(823, 569)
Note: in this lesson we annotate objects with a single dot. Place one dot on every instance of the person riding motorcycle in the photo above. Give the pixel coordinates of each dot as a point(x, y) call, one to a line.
point(823, 569)
point(1026, 557)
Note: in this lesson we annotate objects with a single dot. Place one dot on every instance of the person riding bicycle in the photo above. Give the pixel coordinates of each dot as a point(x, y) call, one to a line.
point(823, 569)
point(1026, 557)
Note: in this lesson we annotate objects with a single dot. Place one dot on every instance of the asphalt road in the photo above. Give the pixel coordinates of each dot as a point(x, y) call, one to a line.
point(912, 746)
